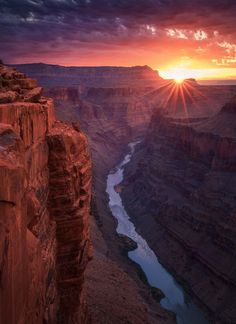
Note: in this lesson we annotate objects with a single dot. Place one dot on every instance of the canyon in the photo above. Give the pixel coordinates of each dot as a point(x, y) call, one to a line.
point(117, 116)
point(178, 189)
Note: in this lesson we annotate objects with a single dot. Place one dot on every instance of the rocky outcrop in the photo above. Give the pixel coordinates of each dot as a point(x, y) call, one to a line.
point(45, 177)
point(180, 189)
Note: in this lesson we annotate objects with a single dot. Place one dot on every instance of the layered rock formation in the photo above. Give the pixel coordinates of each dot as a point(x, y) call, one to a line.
point(109, 116)
point(45, 178)
point(180, 190)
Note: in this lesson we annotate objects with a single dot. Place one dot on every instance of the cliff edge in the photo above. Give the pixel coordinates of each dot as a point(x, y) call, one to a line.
point(45, 191)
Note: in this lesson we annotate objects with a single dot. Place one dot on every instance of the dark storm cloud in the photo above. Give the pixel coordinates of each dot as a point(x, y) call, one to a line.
point(43, 24)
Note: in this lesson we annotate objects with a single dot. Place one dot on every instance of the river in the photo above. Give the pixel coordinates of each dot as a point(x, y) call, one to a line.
point(176, 299)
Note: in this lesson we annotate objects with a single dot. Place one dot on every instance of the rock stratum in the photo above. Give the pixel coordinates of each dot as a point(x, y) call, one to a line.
point(180, 190)
point(45, 192)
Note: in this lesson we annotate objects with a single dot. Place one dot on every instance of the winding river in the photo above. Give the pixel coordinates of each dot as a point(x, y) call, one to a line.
point(175, 298)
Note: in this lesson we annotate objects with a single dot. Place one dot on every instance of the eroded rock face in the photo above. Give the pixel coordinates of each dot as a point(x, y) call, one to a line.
point(180, 189)
point(69, 205)
point(32, 243)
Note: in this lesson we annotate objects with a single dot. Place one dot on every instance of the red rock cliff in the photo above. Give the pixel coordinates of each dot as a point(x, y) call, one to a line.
point(45, 178)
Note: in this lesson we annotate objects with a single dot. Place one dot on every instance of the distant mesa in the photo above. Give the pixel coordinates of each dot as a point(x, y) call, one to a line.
point(92, 76)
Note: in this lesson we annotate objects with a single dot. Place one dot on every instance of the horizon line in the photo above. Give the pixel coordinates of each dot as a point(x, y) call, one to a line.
point(229, 78)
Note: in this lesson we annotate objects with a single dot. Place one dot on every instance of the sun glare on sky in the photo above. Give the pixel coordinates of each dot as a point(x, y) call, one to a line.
point(179, 74)
point(179, 80)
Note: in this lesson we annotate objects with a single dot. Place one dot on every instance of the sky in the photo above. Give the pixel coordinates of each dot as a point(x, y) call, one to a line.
point(187, 38)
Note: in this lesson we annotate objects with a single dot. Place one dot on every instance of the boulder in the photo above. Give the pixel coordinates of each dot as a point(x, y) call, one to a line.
point(33, 95)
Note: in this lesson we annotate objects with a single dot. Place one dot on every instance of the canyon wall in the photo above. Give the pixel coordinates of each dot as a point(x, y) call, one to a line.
point(45, 190)
point(180, 191)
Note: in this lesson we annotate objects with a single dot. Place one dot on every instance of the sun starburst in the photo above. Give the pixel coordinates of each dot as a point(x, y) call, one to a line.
point(179, 95)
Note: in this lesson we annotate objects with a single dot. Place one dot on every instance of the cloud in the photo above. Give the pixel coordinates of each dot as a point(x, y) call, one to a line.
point(43, 30)
point(200, 35)
point(176, 33)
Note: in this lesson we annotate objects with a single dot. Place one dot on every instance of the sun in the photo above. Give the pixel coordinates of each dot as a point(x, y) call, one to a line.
point(178, 74)
point(179, 80)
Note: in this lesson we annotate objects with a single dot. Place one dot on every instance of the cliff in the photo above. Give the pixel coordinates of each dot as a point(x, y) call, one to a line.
point(180, 190)
point(45, 190)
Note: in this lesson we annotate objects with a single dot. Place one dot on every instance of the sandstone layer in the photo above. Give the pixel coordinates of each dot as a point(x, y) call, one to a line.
point(180, 190)
point(45, 178)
